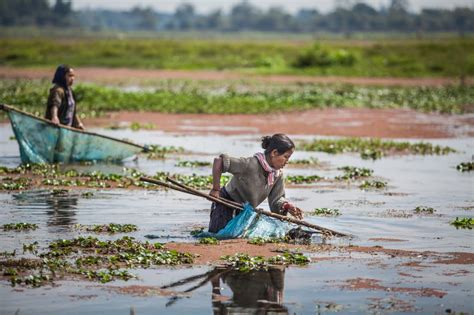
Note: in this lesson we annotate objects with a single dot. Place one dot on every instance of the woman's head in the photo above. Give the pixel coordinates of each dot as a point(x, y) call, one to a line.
point(64, 76)
point(278, 149)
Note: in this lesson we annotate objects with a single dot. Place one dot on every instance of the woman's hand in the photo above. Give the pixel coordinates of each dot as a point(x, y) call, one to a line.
point(55, 120)
point(294, 211)
point(214, 193)
point(80, 126)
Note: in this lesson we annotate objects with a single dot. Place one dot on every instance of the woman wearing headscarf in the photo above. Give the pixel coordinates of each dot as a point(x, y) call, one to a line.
point(61, 106)
point(255, 179)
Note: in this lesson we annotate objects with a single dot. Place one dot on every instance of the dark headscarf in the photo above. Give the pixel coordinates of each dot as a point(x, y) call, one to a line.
point(60, 76)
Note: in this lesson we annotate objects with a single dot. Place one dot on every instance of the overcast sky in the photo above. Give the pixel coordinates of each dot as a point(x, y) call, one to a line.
point(205, 6)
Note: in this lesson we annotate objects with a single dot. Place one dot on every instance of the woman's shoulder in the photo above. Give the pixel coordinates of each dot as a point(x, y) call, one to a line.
point(57, 90)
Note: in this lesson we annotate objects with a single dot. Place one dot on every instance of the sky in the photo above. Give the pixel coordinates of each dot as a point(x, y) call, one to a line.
point(205, 6)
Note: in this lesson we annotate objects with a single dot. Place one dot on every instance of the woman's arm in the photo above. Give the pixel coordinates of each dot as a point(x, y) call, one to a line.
point(216, 177)
point(54, 115)
point(278, 202)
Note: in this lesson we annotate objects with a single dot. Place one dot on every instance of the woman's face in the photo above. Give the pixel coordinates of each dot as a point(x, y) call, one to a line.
point(70, 77)
point(278, 161)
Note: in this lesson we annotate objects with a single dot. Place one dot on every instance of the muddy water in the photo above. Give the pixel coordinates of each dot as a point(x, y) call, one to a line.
point(382, 217)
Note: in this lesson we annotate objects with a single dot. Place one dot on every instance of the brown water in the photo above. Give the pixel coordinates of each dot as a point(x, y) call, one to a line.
point(319, 288)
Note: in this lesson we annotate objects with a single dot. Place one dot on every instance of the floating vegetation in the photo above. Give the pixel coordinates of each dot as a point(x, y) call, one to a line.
point(33, 248)
point(107, 275)
point(262, 240)
point(301, 179)
point(90, 258)
point(209, 241)
point(196, 181)
point(197, 231)
point(463, 223)
point(192, 164)
point(424, 210)
point(87, 194)
point(51, 175)
point(19, 183)
point(201, 98)
point(108, 228)
point(246, 263)
point(20, 226)
point(465, 166)
point(351, 172)
point(373, 148)
point(310, 161)
point(289, 258)
point(155, 151)
point(135, 126)
point(374, 184)
point(326, 212)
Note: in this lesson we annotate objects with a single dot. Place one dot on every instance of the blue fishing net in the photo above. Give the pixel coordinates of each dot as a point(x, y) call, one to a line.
point(41, 142)
point(250, 224)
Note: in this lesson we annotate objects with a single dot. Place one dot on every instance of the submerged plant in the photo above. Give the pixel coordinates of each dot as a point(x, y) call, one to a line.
point(326, 212)
point(463, 223)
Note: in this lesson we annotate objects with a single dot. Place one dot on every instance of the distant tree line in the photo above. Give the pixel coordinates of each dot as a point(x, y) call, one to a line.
point(349, 16)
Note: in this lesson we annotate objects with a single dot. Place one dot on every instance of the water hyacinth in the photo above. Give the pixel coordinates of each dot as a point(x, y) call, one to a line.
point(463, 223)
point(373, 148)
point(22, 226)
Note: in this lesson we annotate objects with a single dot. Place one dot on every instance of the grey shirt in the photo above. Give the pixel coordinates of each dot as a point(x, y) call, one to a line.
point(249, 183)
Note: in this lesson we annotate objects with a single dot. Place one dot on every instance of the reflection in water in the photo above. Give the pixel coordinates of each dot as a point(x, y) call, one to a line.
point(60, 208)
point(256, 292)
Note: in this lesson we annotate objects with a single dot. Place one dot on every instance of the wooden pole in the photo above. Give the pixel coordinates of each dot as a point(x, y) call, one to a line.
point(11, 108)
point(229, 203)
point(225, 202)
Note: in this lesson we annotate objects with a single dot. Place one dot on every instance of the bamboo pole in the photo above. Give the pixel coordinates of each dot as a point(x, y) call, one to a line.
point(231, 204)
point(49, 122)
point(225, 202)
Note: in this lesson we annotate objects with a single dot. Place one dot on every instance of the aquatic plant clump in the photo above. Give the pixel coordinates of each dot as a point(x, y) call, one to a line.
point(463, 223)
point(20, 226)
point(326, 212)
point(377, 147)
point(246, 263)
point(195, 181)
point(182, 97)
point(465, 166)
point(192, 163)
point(424, 210)
point(155, 151)
point(209, 241)
point(90, 258)
point(310, 161)
point(108, 228)
point(351, 172)
point(301, 179)
point(374, 184)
